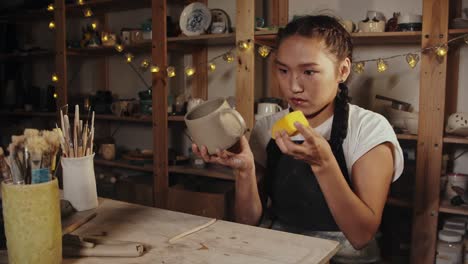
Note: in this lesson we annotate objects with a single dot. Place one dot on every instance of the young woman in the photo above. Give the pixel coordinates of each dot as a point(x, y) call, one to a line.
point(333, 178)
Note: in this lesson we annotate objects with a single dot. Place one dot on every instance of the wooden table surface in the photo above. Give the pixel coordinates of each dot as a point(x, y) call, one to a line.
point(222, 242)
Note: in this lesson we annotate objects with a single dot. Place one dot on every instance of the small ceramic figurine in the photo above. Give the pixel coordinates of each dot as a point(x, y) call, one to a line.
point(392, 24)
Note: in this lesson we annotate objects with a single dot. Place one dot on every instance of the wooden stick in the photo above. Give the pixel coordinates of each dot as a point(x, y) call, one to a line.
point(69, 142)
point(196, 229)
point(75, 129)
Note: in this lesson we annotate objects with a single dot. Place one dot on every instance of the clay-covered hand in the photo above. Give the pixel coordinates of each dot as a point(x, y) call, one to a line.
point(242, 161)
point(315, 149)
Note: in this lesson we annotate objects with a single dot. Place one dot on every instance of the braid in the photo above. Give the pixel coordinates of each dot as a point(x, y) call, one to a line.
point(340, 122)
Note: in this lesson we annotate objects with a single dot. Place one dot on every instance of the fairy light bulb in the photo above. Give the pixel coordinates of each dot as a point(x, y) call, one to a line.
point(55, 95)
point(359, 67)
point(105, 37)
point(228, 57)
point(129, 57)
point(243, 45)
point(94, 25)
point(189, 71)
point(155, 69)
point(50, 7)
point(55, 77)
point(441, 51)
point(119, 48)
point(51, 25)
point(145, 64)
point(80, 2)
point(264, 51)
point(87, 12)
point(412, 60)
point(171, 72)
point(211, 67)
point(381, 65)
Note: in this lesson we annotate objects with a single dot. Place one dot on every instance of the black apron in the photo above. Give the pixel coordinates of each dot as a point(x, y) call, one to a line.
point(297, 199)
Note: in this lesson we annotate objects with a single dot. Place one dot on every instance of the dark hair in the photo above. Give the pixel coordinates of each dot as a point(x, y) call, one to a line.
point(339, 43)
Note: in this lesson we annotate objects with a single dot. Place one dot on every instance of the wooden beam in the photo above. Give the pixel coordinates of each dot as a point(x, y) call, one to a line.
point(431, 126)
point(160, 92)
point(277, 16)
point(245, 61)
point(453, 62)
point(200, 80)
point(60, 52)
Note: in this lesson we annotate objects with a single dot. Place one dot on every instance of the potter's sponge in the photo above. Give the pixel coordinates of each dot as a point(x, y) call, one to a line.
point(287, 123)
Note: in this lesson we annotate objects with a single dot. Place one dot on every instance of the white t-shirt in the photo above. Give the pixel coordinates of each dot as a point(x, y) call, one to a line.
point(366, 129)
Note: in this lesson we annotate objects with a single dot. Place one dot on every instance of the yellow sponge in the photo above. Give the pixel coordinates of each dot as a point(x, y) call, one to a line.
point(287, 123)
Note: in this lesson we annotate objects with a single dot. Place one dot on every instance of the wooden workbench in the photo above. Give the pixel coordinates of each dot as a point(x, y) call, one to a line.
point(222, 242)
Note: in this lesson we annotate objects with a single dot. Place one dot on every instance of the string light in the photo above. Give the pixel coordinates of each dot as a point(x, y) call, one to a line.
point(189, 71)
point(55, 95)
point(80, 2)
point(211, 67)
point(264, 51)
point(412, 60)
point(171, 72)
point(358, 67)
point(155, 69)
point(94, 25)
point(87, 12)
point(228, 57)
point(441, 51)
point(145, 64)
point(55, 77)
point(50, 7)
point(381, 65)
point(119, 48)
point(105, 37)
point(243, 45)
point(52, 25)
point(129, 57)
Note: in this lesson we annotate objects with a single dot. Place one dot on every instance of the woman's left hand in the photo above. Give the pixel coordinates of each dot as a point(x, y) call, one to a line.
point(315, 149)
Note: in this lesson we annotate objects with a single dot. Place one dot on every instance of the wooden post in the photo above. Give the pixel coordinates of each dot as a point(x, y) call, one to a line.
point(200, 80)
point(160, 91)
point(60, 53)
point(245, 61)
point(431, 127)
point(277, 16)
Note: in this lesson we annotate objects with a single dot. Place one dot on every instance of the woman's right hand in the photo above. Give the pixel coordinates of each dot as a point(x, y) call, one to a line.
point(242, 161)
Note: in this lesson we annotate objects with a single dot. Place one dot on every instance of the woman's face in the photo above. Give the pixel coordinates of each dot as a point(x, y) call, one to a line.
point(308, 74)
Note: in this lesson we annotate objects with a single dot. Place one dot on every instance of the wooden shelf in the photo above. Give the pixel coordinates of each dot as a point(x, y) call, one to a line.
point(399, 202)
point(106, 6)
point(458, 31)
point(212, 171)
point(108, 51)
point(407, 136)
point(22, 16)
point(123, 164)
point(205, 40)
point(455, 140)
point(26, 55)
point(361, 38)
point(142, 119)
point(446, 207)
point(27, 114)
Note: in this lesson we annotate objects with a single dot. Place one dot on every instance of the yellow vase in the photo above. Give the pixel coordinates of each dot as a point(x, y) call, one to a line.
point(32, 222)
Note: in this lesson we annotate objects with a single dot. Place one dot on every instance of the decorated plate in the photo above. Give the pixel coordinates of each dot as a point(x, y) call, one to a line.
point(195, 19)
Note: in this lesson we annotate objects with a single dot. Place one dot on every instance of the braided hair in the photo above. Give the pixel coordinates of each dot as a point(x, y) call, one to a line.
point(339, 43)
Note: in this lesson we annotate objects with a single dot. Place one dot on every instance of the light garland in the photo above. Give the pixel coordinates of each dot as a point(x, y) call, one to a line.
point(50, 7)
point(51, 25)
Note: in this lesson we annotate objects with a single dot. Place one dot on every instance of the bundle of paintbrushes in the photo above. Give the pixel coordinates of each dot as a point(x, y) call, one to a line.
point(76, 141)
point(32, 157)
